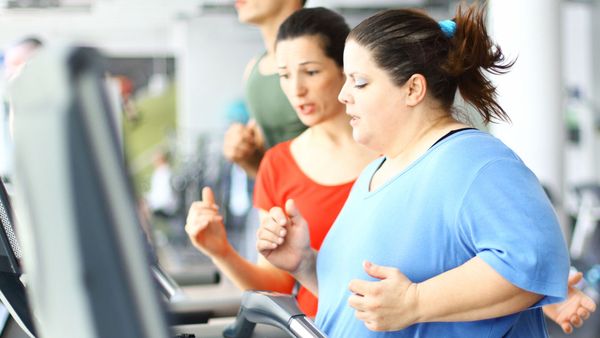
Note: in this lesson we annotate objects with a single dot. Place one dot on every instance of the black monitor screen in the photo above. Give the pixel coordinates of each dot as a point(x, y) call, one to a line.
point(88, 272)
point(10, 252)
point(12, 290)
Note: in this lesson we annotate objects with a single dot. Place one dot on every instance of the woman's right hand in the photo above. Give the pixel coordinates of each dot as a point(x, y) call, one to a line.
point(283, 238)
point(204, 226)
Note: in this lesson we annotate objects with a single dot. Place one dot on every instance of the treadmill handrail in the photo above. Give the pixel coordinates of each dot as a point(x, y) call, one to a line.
point(271, 308)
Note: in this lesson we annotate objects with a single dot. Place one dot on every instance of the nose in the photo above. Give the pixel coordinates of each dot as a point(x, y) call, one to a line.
point(344, 97)
point(298, 87)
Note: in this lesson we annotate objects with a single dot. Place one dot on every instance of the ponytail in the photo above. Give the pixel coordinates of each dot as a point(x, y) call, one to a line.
point(471, 53)
point(404, 42)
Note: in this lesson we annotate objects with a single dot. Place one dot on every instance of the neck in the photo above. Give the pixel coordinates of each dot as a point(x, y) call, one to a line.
point(421, 133)
point(269, 28)
point(336, 130)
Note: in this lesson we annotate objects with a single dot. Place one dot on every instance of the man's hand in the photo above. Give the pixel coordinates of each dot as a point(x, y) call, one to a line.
point(243, 145)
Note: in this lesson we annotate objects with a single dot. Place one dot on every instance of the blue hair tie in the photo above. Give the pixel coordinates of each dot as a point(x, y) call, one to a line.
point(448, 27)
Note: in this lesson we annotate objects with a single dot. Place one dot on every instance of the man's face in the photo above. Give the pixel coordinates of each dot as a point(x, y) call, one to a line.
point(257, 11)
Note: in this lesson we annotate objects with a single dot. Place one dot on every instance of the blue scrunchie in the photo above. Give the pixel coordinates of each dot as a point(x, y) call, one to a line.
point(448, 27)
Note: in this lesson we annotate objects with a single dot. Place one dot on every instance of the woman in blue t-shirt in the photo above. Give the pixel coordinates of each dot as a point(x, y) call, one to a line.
point(465, 241)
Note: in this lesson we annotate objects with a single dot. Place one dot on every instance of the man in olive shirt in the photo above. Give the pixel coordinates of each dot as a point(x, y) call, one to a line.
point(273, 118)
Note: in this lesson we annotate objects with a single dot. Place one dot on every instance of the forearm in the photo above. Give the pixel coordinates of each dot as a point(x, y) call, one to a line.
point(307, 272)
point(250, 276)
point(472, 291)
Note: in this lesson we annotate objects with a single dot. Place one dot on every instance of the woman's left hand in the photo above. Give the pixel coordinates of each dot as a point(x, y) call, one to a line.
point(574, 310)
point(387, 304)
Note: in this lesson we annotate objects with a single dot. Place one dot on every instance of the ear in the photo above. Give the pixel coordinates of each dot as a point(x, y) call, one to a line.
point(416, 87)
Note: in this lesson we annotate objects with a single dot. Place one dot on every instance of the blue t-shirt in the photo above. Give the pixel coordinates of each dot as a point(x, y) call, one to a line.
point(468, 196)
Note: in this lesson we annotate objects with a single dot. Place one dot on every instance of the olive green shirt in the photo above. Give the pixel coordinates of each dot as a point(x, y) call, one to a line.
point(271, 109)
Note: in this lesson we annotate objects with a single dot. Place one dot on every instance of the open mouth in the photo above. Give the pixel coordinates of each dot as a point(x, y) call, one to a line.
point(306, 109)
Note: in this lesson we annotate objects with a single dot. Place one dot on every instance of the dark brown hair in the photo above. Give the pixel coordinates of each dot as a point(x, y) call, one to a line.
point(329, 26)
point(405, 42)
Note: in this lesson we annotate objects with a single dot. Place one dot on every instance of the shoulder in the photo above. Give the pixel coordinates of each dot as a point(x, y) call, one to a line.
point(474, 149)
point(473, 160)
point(481, 142)
point(487, 167)
point(277, 156)
point(249, 66)
point(279, 150)
point(275, 170)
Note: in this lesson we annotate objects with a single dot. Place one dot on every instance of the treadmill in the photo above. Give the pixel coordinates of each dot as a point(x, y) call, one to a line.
point(12, 289)
point(89, 273)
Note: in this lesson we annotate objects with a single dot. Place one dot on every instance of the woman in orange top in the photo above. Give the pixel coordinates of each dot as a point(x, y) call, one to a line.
point(318, 168)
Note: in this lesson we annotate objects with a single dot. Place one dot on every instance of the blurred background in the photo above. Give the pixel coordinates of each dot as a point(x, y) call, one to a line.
point(175, 77)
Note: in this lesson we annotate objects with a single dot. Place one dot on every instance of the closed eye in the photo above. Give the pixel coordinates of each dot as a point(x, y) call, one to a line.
point(360, 84)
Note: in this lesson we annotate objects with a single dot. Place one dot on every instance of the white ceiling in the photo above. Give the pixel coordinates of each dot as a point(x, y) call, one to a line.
point(143, 26)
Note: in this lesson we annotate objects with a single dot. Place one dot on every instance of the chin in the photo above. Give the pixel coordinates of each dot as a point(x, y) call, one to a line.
point(358, 137)
point(362, 138)
point(251, 17)
point(245, 17)
point(242, 18)
point(309, 121)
